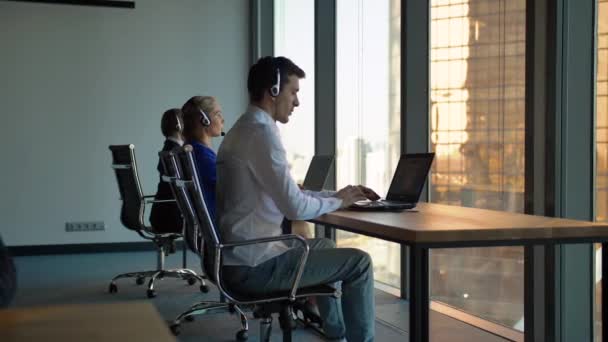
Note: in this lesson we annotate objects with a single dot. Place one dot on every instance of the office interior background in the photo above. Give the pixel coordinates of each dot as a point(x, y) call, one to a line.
point(511, 95)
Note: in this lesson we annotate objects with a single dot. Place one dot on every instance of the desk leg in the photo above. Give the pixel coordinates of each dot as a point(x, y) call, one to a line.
point(419, 294)
point(531, 289)
point(604, 291)
point(286, 226)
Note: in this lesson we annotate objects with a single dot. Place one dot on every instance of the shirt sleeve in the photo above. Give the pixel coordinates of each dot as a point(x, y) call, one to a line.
point(270, 168)
point(320, 194)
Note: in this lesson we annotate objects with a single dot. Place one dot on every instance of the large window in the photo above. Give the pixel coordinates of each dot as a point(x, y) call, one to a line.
point(368, 107)
point(477, 120)
point(294, 38)
point(601, 190)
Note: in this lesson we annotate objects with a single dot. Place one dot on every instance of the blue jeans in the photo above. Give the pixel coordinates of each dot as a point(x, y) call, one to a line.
point(352, 315)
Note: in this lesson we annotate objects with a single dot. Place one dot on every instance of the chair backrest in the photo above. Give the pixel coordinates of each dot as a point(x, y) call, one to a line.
point(174, 173)
point(201, 234)
point(195, 189)
point(208, 229)
point(129, 186)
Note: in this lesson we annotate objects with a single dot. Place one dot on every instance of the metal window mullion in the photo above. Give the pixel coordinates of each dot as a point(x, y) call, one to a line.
point(415, 48)
point(569, 164)
point(262, 28)
point(325, 91)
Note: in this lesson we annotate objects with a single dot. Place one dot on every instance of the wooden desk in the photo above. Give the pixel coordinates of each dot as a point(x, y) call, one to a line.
point(443, 226)
point(126, 321)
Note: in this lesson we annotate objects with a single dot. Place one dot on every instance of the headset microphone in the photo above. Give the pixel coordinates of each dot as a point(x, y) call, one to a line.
point(223, 133)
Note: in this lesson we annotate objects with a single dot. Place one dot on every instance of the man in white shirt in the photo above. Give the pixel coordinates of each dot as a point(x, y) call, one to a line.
point(255, 191)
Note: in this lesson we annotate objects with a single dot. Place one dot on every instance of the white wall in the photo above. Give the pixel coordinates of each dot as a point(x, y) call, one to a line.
point(75, 79)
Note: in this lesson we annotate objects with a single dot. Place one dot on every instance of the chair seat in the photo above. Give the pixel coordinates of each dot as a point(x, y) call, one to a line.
point(317, 290)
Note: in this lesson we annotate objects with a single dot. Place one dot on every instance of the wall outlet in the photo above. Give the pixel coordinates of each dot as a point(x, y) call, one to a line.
point(84, 226)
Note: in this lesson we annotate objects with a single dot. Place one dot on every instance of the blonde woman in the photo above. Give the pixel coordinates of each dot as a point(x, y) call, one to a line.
point(203, 121)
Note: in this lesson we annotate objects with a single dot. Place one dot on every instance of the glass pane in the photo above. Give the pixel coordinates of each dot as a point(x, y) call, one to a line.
point(368, 104)
point(477, 66)
point(294, 38)
point(601, 194)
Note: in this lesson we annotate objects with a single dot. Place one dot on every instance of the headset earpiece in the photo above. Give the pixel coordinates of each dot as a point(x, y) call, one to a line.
point(204, 118)
point(276, 88)
point(179, 125)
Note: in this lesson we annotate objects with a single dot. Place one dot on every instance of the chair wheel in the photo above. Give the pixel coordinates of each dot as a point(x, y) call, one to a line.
point(113, 288)
point(191, 281)
point(189, 318)
point(151, 293)
point(140, 280)
point(242, 335)
point(204, 288)
point(175, 329)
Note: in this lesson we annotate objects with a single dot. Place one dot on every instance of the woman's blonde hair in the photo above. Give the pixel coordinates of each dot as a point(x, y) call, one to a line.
point(192, 113)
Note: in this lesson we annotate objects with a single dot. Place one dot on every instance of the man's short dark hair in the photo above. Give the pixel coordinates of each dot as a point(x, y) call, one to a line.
point(263, 75)
point(171, 122)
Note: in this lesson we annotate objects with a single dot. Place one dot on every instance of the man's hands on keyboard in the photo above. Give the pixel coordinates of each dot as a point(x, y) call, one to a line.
point(349, 195)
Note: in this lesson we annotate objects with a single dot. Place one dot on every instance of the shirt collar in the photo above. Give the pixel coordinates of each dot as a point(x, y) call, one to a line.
point(177, 141)
point(260, 115)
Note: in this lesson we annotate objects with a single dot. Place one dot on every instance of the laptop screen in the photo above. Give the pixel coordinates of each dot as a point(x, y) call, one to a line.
point(317, 172)
point(409, 177)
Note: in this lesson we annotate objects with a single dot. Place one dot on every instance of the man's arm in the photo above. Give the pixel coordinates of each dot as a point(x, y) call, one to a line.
point(320, 194)
point(271, 170)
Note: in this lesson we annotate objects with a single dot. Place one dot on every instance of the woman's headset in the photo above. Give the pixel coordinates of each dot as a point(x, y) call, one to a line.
point(204, 118)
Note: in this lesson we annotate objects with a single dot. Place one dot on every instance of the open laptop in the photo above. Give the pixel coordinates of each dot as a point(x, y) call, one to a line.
point(406, 185)
point(317, 173)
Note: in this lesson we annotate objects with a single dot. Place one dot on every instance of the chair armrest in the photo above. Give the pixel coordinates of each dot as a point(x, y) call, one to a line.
point(301, 264)
point(160, 201)
point(266, 240)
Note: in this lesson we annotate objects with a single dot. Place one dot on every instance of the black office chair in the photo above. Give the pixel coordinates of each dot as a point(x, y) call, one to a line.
point(202, 235)
point(132, 217)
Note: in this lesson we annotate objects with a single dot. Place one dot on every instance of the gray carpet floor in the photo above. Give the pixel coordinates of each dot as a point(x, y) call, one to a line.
point(84, 278)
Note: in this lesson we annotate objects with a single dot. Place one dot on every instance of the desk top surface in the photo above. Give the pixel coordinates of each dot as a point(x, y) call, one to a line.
point(444, 224)
point(125, 321)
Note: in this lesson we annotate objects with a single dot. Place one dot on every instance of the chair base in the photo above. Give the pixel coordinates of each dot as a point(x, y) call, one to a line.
point(208, 307)
point(140, 277)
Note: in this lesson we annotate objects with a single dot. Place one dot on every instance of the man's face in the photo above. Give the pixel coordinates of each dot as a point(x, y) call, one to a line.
point(287, 99)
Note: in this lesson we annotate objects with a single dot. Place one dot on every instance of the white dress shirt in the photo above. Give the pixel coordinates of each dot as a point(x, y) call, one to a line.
point(255, 190)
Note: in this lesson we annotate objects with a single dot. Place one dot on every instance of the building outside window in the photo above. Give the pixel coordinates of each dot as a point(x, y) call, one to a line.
point(368, 109)
point(601, 154)
point(477, 116)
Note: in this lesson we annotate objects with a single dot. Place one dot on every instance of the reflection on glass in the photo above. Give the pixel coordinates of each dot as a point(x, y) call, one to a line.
point(368, 104)
point(477, 132)
point(601, 194)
